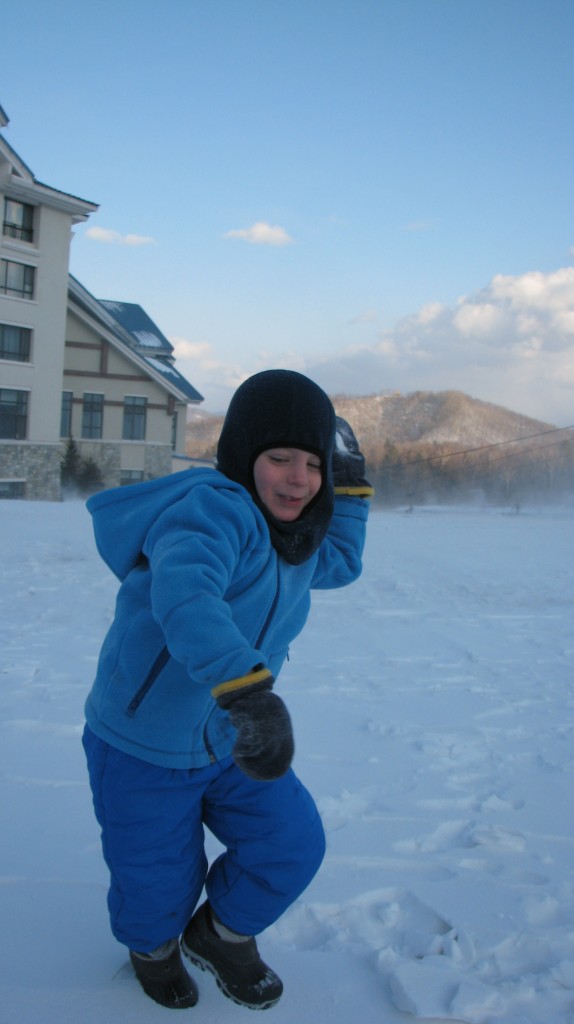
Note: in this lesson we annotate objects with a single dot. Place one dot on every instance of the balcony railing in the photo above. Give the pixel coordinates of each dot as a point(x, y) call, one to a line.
point(17, 231)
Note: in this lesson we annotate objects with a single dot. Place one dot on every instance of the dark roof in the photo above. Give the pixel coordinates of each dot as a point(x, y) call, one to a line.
point(146, 335)
point(134, 329)
point(172, 376)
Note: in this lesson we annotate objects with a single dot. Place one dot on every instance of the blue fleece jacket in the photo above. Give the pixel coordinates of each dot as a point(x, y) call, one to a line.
point(204, 598)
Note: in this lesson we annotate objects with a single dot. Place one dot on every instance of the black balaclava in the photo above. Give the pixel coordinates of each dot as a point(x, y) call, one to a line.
point(282, 409)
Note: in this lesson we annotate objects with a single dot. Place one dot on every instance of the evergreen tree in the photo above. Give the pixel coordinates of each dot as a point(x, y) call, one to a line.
point(82, 475)
point(89, 477)
point(70, 464)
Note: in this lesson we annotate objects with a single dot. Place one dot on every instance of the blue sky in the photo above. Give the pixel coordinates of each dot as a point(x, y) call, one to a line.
point(375, 192)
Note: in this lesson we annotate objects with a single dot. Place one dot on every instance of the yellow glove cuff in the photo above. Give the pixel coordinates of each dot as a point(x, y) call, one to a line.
point(232, 685)
point(362, 491)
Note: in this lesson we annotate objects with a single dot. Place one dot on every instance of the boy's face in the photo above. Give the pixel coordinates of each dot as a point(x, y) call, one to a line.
point(286, 480)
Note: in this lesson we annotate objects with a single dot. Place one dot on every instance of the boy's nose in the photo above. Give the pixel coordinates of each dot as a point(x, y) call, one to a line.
point(298, 472)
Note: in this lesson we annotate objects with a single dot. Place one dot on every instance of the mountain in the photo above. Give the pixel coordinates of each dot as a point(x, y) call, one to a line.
point(441, 447)
point(201, 433)
point(424, 417)
point(433, 417)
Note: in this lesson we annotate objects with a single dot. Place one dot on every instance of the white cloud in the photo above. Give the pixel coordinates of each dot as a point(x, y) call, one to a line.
point(481, 319)
point(388, 347)
point(109, 237)
point(369, 316)
point(529, 347)
point(430, 312)
point(261, 234)
point(215, 379)
point(535, 290)
point(201, 356)
point(564, 320)
point(198, 350)
point(511, 343)
point(563, 372)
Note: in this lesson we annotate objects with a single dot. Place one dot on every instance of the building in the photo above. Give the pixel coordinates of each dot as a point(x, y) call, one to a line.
point(123, 400)
point(70, 365)
point(34, 257)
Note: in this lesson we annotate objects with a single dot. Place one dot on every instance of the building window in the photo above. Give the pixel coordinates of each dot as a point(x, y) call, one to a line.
point(174, 431)
point(12, 489)
point(134, 419)
point(130, 476)
point(16, 279)
point(66, 414)
point(13, 414)
point(15, 343)
point(18, 220)
point(92, 415)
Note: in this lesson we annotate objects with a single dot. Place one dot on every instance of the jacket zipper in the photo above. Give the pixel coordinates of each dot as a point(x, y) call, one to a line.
point(264, 628)
point(160, 661)
point(271, 611)
point(163, 658)
point(207, 745)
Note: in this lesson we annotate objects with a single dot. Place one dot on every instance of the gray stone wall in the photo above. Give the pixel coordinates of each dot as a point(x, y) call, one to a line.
point(157, 461)
point(37, 464)
point(107, 456)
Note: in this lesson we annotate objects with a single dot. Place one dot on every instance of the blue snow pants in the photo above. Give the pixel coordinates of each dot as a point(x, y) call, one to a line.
point(152, 821)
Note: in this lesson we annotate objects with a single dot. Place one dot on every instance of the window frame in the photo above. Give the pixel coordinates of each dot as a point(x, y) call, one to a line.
point(23, 351)
point(12, 489)
point(66, 414)
point(92, 415)
point(27, 290)
point(134, 424)
point(23, 228)
point(19, 414)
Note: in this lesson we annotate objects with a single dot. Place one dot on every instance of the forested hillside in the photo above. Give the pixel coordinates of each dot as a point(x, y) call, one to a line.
point(444, 446)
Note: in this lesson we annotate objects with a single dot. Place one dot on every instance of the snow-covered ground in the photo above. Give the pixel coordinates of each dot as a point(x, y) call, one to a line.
point(433, 707)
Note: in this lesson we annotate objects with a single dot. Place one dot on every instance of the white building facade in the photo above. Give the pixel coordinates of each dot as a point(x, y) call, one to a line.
point(35, 241)
point(71, 366)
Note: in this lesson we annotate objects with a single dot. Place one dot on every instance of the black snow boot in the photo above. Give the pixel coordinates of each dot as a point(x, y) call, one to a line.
point(238, 969)
point(163, 977)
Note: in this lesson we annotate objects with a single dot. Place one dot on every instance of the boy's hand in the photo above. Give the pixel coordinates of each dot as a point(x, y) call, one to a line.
point(348, 460)
point(264, 746)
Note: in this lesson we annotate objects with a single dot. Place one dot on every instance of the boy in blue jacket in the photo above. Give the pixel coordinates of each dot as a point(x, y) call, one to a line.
point(183, 727)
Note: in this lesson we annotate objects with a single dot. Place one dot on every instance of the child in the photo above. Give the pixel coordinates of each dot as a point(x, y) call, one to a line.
point(183, 727)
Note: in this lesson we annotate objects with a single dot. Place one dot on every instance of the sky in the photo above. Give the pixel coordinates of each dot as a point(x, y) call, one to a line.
point(377, 193)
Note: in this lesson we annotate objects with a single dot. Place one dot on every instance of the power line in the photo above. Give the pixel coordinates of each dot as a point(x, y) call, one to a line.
point(480, 470)
point(518, 452)
point(484, 447)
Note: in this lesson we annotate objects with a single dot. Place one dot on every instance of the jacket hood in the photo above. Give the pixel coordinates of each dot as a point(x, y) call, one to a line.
point(123, 516)
point(282, 409)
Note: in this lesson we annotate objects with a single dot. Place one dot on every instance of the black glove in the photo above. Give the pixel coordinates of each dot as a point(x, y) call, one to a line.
point(348, 461)
point(264, 746)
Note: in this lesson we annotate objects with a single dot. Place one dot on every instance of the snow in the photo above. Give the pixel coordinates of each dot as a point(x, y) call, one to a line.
point(147, 338)
point(432, 703)
point(162, 367)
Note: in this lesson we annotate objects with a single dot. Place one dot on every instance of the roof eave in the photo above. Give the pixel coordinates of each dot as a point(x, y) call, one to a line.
point(11, 157)
point(35, 191)
point(79, 294)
